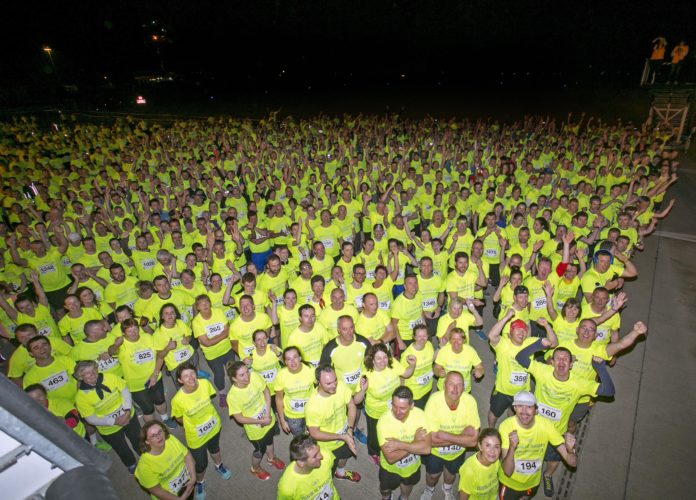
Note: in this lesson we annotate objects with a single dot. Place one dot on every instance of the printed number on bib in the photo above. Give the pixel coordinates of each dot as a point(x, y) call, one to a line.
point(205, 428)
point(179, 482)
point(549, 412)
point(214, 330)
point(269, 375)
point(352, 377)
point(540, 303)
point(144, 356)
point(424, 379)
point(406, 461)
point(385, 305)
point(298, 404)
point(45, 331)
point(148, 263)
point(106, 364)
point(518, 378)
point(449, 450)
point(415, 322)
point(429, 303)
point(181, 355)
point(55, 381)
point(47, 268)
point(601, 334)
point(491, 252)
point(527, 467)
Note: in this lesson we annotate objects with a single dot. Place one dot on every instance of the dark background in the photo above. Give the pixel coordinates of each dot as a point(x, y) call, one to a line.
point(217, 50)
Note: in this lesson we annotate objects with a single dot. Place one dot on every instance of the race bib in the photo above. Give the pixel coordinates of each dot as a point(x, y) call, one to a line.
point(212, 331)
point(147, 263)
point(144, 356)
point(260, 415)
point(55, 381)
point(518, 378)
point(117, 413)
point(269, 375)
point(181, 355)
point(47, 268)
point(527, 467)
point(328, 243)
point(429, 304)
point(314, 364)
point(325, 493)
point(601, 334)
point(409, 459)
point(385, 305)
point(549, 412)
point(539, 303)
point(415, 322)
point(491, 252)
point(204, 429)
point(352, 377)
point(179, 482)
point(130, 304)
point(175, 282)
point(106, 364)
point(248, 351)
point(226, 280)
point(229, 314)
point(370, 275)
point(449, 450)
point(45, 331)
point(424, 379)
point(359, 301)
point(298, 404)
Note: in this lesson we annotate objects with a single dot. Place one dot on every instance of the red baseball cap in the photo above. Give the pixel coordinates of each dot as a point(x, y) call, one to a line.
point(518, 323)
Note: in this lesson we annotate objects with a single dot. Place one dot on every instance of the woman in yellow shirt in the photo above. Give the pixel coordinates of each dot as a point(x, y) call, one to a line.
point(293, 386)
point(250, 404)
point(166, 467)
point(478, 475)
point(380, 377)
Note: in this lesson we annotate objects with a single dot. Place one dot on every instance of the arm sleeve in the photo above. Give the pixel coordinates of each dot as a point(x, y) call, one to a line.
point(524, 356)
point(606, 384)
point(127, 399)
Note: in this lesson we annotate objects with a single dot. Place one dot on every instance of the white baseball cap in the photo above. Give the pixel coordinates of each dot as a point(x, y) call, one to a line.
point(524, 398)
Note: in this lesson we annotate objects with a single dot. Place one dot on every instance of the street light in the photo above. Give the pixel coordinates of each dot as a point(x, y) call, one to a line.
point(48, 50)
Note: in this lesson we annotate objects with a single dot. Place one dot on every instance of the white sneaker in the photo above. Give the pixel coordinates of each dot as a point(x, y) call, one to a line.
point(427, 495)
point(448, 493)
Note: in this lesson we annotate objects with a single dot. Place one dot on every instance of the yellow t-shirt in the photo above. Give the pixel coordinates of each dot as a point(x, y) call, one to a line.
point(329, 414)
point(381, 385)
point(250, 402)
point(181, 352)
point(296, 387)
point(318, 484)
point(441, 417)
point(56, 378)
point(309, 343)
point(266, 365)
point(93, 350)
point(52, 275)
point(374, 327)
point(88, 403)
point(168, 469)
point(511, 377)
point(409, 313)
point(21, 361)
point(138, 361)
point(421, 382)
point(75, 327)
point(530, 451)
point(462, 362)
point(478, 481)
point(243, 331)
point(389, 426)
point(200, 418)
point(211, 328)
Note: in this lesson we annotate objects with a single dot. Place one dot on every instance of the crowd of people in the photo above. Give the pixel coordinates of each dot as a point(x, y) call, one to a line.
point(324, 278)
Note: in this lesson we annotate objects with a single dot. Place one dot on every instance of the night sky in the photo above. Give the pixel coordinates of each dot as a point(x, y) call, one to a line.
point(288, 43)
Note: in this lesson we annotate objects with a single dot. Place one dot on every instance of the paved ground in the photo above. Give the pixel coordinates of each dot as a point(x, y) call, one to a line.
point(638, 447)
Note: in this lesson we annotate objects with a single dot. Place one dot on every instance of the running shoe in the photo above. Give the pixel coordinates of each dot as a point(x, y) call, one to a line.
point(427, 494)
point(349, 475)
point(170, 422)
point(260, 473)
point(548, 486)
point(277, 463)
point(199, 491)
point(448, 493)
point(360, 436)
point(223, 471)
